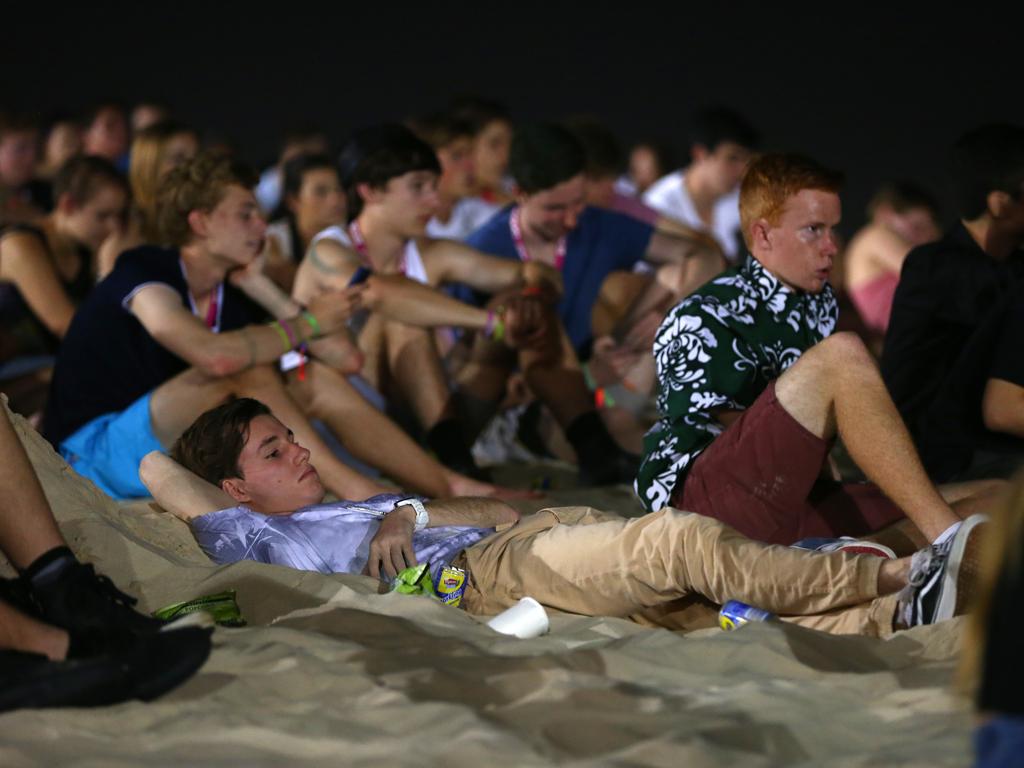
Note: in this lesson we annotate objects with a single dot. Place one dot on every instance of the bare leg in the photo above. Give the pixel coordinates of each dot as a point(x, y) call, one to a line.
point(27, 527)
point(835, 387)
point(375, 439)
point(19, 632)
point(558, 383)
point(415, 367)
point(176, 404)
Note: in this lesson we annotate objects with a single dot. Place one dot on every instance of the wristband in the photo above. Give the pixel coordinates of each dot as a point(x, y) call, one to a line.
point(603, 398)
point(422, 516)
point(588, 377)
point(313, 324)
point(290, 332)
point(495, 327)
point(276, 325)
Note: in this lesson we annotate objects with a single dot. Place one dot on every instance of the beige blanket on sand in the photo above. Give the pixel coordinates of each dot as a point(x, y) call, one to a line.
point(329, 673)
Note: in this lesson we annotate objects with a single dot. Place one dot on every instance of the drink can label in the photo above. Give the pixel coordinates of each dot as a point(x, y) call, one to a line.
point(735, 614)
point(450, 585)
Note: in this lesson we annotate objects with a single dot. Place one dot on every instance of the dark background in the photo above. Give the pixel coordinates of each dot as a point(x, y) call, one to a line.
point(879, 92)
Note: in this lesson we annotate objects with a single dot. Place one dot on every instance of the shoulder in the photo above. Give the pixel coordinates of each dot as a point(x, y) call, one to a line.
point(19, 234)
point(494, 232)
point(143, 266)
point(664, 188)
point(336, 234)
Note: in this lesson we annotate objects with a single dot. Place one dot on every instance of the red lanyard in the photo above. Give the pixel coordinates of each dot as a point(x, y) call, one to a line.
point(213, 312)
point(216, 302)
point(355, 232)
point(516, 226)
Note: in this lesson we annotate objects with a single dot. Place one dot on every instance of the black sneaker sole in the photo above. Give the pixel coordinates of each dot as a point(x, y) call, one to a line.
point(152, 667)
point(960, 579)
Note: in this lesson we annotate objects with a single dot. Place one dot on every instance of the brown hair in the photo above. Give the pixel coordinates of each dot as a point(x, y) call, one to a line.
point(211, 447)
point(198, 185)
point(148, 151)
point(81, 177)
point(772, 179)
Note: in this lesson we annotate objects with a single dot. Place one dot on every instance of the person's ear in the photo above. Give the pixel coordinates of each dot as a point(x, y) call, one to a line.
point(198, 222)
point(998, 201)
point(66, 204)
point(235, 488)
point(759, 235)
point(698, 153)
point(368, 193)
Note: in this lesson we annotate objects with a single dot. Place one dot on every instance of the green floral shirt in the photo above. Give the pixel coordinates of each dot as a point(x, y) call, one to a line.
point(719, 348)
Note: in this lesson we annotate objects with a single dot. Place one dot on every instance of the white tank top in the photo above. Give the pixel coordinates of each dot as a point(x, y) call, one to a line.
point(412, 263)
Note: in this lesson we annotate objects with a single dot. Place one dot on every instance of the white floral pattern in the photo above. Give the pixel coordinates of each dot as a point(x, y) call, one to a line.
point(721, 347)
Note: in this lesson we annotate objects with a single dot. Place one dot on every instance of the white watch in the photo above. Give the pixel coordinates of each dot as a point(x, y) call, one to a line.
point(422, 516)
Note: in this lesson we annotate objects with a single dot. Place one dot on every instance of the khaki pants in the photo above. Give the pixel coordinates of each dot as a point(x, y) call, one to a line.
point(579, 560)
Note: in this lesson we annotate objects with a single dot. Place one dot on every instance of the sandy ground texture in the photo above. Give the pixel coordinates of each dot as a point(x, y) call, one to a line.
point(330, 673)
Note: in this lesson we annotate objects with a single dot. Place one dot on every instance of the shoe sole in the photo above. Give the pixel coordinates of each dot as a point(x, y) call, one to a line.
point(962, 566)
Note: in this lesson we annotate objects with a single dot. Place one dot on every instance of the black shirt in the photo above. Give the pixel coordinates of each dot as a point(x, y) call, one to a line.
point(948, 317)
point(108, 360)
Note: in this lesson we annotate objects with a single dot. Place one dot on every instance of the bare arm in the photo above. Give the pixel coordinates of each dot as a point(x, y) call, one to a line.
point(448, 261)
point(391, 549)
point(1002, 407)
point(158, 307)
point(674, 248)
point(179, 491)
point(26, 263)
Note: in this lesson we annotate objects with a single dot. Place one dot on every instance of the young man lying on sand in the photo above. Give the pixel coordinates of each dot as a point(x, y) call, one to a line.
point(249, 492)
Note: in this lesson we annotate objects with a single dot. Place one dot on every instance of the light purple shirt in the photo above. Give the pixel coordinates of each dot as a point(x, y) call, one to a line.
point(333, 537)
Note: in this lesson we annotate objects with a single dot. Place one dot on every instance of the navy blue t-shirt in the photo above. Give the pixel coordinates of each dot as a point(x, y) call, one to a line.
point(603, 241)
point(107, 359)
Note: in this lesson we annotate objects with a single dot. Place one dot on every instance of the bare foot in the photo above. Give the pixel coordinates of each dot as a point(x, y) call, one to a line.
point(460, 485)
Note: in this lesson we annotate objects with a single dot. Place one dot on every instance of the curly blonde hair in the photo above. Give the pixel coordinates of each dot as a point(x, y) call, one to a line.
point(198, 185)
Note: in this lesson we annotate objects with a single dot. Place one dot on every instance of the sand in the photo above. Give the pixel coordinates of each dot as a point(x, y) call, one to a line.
point(328, 672)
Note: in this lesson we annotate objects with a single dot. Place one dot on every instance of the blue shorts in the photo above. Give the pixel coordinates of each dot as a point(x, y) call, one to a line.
point(109, 449)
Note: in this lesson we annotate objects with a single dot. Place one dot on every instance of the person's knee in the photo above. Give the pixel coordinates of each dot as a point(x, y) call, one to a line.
point(256, 377)
point(843, 350)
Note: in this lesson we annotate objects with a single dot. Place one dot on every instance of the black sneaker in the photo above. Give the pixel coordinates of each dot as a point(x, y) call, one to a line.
point(943, 577)
point(94, 612)
point(615, 467)
point(146, 668)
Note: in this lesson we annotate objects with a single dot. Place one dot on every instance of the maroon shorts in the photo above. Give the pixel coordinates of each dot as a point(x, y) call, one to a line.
point(762, 476)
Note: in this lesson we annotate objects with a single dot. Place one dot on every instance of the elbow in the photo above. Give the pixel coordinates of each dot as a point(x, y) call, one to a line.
point(509, 514)
point(996, 417)
point(149, 468)
point(1001, 413)
point(218, 364)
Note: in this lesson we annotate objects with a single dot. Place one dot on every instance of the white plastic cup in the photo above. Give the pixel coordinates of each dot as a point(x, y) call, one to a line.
point(524, 620)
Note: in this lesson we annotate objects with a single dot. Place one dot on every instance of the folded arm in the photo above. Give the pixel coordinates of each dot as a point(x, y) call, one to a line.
point(179, 491)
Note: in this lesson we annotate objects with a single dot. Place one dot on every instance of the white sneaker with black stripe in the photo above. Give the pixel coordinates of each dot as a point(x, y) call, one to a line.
point(943, 576)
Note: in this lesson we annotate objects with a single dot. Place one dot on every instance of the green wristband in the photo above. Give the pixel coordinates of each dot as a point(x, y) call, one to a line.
point(313, 324)
point(284, 336)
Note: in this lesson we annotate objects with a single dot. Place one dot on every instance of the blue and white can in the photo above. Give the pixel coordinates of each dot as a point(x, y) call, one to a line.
point(735, 614)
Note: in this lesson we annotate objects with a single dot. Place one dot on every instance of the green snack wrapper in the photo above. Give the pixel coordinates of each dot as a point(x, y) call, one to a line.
point(222, 606)
point(448, 587)
point(414, 581)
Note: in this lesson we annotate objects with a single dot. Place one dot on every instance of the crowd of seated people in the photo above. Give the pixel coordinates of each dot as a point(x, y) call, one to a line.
point(604, 249)
point(673, 329)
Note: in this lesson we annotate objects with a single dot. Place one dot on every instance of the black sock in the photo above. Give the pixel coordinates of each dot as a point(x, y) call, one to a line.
point(589, 436)
point(446, 440)
point(49, 566)
point(474, 412)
